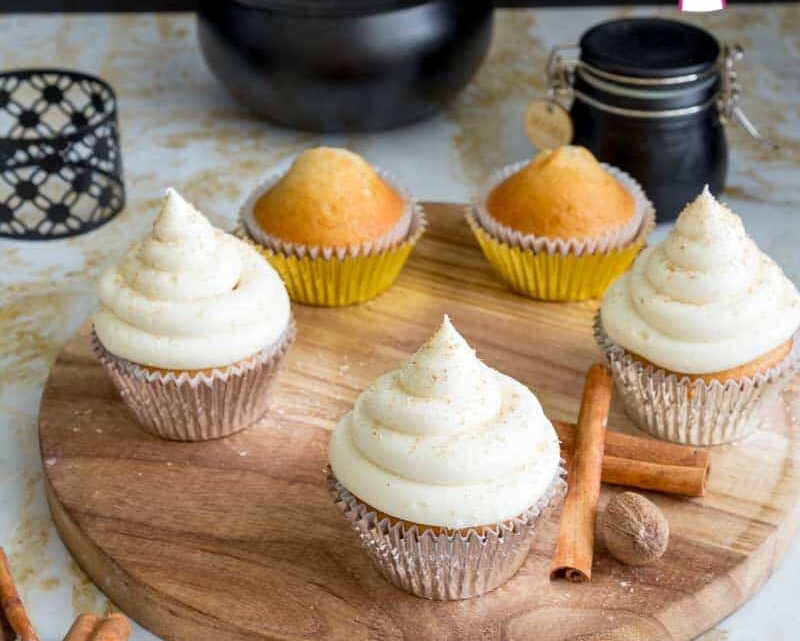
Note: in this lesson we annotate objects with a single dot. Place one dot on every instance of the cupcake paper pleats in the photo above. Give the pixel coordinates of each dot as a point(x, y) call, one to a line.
point(556, 276)
point(197, 406)
point(337, 276)
point(445, 566)
point(560, 269)
point(334, 282)
point(676, 408)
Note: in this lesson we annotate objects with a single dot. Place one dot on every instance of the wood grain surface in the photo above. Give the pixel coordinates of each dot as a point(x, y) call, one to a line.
point(237, 539)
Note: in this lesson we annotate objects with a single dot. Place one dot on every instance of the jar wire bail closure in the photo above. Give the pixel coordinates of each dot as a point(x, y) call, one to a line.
point(564, 66)
point(548, 123)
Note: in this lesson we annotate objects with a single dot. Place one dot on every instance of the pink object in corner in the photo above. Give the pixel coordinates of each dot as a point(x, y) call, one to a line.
point(701, 6)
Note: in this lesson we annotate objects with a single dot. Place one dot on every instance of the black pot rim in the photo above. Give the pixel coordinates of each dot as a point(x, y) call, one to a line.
point(328, 8)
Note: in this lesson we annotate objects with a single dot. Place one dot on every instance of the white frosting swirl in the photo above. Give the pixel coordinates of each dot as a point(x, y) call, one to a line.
point(446, 441)
point(705, 300)
point(190, 296)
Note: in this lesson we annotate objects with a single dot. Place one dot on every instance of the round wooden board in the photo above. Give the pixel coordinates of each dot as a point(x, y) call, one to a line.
point(237, 539)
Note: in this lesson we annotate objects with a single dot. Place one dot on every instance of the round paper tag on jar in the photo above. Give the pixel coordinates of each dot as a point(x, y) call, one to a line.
point(547, 124)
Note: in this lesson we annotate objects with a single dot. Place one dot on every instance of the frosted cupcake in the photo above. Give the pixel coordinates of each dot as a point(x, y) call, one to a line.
point(701, 332)
point(443, 469)
point(192, 327)
point(562, 226)
point(337, 230)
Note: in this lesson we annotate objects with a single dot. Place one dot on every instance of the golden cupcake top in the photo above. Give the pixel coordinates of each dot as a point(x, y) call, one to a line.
point(331, 198)
point(562, 193)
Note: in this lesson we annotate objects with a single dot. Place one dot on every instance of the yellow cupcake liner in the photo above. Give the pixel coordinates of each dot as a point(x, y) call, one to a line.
point(556, 276)
point(556, 269)
point(334, 282)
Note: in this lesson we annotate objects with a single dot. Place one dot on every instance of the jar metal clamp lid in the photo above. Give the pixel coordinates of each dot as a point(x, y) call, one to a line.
point(631, 68)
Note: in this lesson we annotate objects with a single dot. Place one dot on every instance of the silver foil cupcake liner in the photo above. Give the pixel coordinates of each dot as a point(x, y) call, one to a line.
point(675, 408)
point(451, 564)
point(197, 406)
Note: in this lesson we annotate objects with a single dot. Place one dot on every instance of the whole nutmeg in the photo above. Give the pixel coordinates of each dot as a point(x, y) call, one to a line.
point(636, 532)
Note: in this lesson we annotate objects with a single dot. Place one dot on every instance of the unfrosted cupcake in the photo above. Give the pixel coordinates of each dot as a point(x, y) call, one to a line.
point(192, 327)
point(443, 469)
point(700, 333)
point(562, 226)
point(337, 230)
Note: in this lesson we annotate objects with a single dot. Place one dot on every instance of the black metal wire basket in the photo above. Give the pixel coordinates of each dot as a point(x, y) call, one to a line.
point(60, 161)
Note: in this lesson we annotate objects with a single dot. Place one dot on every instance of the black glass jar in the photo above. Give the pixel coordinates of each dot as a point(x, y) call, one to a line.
point(647, 98)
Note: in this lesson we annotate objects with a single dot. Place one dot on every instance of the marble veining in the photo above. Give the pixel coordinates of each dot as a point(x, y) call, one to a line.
point(180, 128)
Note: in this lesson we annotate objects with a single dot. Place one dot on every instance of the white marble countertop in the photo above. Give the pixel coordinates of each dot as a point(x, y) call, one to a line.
point(180, 128)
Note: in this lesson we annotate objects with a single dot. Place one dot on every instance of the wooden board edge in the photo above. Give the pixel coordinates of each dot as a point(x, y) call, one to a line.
point(174, 621)
point(154, 611)
point(747, 578)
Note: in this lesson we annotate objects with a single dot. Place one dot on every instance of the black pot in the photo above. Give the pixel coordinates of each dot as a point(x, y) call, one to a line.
point(344, 65)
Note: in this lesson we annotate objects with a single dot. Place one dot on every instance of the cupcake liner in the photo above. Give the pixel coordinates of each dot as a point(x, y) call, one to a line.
point(336, 276)
point(675, 408)
point(197, 406)
point(449, 565)
point(557, 277)
point(557, 269)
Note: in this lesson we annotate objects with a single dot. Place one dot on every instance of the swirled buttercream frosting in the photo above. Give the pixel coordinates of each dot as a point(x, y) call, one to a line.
point(190, 296)
point(705, 300)
point(446, 441)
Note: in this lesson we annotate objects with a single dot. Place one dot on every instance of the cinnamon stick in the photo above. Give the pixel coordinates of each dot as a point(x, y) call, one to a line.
point(82, 628)
point(6, 633)
point(90, 627)
point(11, 605)
point(646, 463)
point(115, 627)
point(575, 548)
